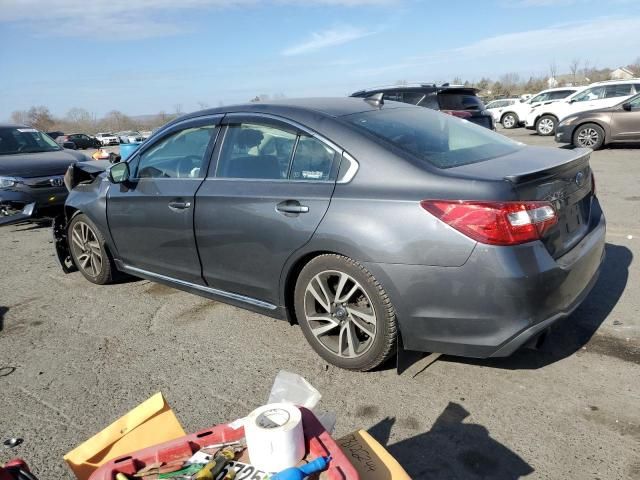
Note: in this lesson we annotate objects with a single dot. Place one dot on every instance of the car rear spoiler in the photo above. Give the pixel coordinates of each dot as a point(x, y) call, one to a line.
point(524, 177)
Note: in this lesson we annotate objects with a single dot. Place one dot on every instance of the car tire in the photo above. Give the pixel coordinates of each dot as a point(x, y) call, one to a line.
point(510, 120)
point(356, 330)
point(589, 135)
point(88, 251)
point(546, 125)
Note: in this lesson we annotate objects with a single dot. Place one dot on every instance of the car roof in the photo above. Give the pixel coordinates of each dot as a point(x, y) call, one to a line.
point(329, 106)
point(621, 82)
point(417, 86)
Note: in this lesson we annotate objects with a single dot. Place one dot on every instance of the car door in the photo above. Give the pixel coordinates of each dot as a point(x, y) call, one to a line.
point(151, 216)
point(625, 124)
point(271, 186)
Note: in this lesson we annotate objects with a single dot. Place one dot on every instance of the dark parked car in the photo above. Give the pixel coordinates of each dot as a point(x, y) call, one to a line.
point(80, 140)
point(365, 223)
point(32, 167)
point(596, 128)
point(456, 100)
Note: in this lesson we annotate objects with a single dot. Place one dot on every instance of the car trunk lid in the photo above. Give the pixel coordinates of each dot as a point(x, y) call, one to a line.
point(560, 177)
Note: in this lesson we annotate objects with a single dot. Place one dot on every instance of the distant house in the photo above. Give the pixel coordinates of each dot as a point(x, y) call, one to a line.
point(622, 73)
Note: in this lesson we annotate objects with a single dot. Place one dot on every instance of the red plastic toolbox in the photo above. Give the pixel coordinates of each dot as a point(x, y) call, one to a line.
point(317, 439)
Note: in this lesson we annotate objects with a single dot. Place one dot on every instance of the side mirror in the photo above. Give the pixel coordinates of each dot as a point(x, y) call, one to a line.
point(119, 172)
point(627, 106)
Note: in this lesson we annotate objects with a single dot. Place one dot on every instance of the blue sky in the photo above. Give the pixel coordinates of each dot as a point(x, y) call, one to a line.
point(144, 56)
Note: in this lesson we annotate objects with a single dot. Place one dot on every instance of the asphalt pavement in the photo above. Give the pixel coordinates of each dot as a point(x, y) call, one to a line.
point(75, 356)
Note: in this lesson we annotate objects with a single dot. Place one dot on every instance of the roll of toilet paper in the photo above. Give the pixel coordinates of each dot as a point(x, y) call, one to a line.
point(275, 438)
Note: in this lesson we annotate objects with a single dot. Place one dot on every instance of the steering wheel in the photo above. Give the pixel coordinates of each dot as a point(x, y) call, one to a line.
point(186, 165)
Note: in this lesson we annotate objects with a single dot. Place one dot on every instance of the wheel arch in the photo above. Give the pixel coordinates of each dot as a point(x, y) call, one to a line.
point(290, 278)
point(607, 133)
point(504, 114)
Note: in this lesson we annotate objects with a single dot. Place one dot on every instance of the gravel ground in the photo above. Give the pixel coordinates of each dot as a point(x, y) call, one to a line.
point(75, 356)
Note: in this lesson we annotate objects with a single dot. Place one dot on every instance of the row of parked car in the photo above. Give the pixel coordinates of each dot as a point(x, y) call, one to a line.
point(83, 141)
point(589, 116)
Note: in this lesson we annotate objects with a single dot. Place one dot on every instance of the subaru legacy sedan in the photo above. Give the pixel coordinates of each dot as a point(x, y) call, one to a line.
point(371, 224)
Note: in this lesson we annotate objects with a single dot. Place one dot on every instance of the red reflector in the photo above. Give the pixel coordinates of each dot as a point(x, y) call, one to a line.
point(458, 113)
point(495, 223)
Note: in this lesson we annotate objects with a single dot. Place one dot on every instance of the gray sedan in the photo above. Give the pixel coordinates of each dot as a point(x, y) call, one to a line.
point(374, 225)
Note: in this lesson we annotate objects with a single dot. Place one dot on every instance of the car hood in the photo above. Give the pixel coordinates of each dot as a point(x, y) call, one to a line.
point(28, 165)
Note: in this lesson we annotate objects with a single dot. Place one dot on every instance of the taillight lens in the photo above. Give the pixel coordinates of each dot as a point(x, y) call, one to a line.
point(495, 223)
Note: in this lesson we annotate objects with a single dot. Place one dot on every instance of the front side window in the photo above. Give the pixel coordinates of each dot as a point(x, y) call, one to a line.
point(612, 91)
point(539, 98)
point(440, 140)
point(635, 103)
point(180, 155)
point(594, 93)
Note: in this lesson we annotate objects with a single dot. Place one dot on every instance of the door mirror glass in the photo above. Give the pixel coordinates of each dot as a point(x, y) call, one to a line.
point(119, 172)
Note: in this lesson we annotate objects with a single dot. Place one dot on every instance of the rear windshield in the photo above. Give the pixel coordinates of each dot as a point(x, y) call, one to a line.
point(459, 101)
point(441, 140)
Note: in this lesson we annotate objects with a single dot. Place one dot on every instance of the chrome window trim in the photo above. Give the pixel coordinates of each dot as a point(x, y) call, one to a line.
point(351, 171)
point(202, 288)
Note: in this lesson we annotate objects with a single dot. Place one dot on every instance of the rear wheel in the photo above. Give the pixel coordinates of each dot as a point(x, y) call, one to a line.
point(546, 125)
point(88, 251)
point(589, 135)
point(344, 313)
point(510, 120)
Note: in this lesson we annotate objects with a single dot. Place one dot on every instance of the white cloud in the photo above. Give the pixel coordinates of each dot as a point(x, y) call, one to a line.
point(600, 41)
point(126, 19)
point(327, 38)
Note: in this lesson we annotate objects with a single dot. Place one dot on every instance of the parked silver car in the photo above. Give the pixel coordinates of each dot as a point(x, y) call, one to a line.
point(372, 224)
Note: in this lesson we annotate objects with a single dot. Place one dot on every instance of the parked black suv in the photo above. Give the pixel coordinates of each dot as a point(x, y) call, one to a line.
point(456, 100)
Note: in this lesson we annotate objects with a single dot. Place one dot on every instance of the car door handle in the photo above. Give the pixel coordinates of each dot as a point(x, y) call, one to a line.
point(292, 206)
point(179, 205)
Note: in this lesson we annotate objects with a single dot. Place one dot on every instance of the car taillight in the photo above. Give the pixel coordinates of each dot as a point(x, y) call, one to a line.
point(495, 223)
point(459, 113)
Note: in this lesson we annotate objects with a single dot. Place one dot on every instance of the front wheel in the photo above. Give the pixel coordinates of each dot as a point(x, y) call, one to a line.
point(510, 120)
point(589, 135)
point(546, 125)
point(88, 251)
point(344, 313)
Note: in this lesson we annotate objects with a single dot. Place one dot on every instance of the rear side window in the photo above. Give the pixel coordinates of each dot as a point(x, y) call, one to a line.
point(560, 94)
point(256, 151)
point(440, 140)
point(312, 160)
point(459, 101)
point(612, 91)
point(265, 152)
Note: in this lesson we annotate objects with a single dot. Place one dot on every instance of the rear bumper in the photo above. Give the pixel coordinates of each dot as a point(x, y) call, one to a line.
point(497, 301)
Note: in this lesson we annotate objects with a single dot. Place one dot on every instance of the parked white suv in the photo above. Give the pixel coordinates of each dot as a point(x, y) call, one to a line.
point(544, 118)
point(515, 115)
point(107, 138)
point(496, 107)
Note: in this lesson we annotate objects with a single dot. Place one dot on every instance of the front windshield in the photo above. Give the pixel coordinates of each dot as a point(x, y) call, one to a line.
point(25, 140)
point(442, 140)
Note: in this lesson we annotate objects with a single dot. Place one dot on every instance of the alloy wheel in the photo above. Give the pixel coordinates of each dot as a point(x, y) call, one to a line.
point(340, 314)
point(87, 249)
point(508, 121)
point(588, 137)
point(546, 126)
